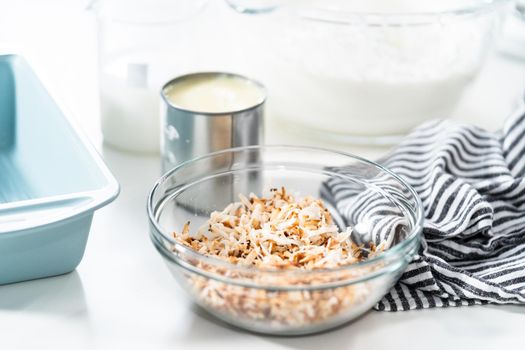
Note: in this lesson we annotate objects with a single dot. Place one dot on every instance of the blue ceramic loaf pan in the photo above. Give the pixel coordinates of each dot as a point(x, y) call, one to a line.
point(51, 179)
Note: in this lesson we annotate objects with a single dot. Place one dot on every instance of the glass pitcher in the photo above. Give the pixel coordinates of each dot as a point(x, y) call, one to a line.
point(140, 45)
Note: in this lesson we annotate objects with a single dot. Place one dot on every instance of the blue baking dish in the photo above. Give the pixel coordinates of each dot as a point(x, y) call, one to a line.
point(51, 179)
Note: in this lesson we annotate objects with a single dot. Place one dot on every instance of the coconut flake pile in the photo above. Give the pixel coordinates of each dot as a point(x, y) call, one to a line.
point(276, 232)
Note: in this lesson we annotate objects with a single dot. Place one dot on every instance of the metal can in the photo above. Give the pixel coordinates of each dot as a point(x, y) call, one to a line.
point(189, 133)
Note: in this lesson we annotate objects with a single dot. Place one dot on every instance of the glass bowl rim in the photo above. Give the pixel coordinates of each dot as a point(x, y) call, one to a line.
point(387, 19)
point(412, 238)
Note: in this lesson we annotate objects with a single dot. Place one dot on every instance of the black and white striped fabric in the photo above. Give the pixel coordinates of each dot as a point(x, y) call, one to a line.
point(472, 186)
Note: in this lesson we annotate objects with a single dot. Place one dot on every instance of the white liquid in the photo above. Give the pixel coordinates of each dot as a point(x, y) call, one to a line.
point(129, 101)
point(214, 94)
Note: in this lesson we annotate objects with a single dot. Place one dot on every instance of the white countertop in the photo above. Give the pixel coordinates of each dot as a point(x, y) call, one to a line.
point(122, 295)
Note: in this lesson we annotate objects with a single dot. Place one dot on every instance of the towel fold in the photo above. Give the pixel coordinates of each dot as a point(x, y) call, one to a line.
point(472, 186)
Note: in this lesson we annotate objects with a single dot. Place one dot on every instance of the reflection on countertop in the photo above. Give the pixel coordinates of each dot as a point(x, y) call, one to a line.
point(62, 295)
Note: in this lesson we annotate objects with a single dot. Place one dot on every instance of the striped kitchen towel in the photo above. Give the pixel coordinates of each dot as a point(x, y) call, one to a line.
point(472, 186)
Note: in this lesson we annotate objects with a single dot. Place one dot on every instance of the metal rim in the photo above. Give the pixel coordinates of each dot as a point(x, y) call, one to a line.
point(212, 73)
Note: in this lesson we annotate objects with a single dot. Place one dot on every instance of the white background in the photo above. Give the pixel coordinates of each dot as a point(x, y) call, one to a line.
point(122, 295)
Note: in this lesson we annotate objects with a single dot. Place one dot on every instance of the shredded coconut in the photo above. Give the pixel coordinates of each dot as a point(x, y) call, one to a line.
point(280, 232)
point(283, 231)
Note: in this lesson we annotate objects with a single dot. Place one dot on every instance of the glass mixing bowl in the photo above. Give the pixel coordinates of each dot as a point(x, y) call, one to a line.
point(379, 205)
point(366, 71)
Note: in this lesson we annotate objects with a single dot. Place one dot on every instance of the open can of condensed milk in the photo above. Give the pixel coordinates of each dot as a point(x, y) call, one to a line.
point(208, 112)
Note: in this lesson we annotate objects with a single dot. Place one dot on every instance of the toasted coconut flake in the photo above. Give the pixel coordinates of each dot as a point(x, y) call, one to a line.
point(278, 232)
point(291, 225)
